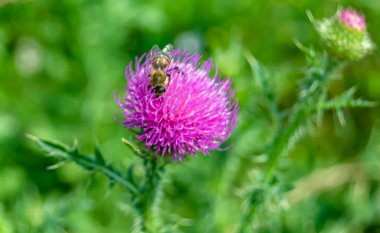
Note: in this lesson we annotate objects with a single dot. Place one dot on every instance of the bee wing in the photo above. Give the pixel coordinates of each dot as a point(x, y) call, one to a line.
point(168, 49)
point(153, 51)
point(155, 47)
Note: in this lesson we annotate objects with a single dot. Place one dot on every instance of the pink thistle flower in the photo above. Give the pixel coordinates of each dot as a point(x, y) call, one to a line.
point(352, 19)
point(196, 113)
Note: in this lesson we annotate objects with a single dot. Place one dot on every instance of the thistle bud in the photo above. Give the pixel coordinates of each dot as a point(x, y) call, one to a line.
point(345, 35)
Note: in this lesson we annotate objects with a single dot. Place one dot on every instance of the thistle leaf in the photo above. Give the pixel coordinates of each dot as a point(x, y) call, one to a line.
point(129, 175)
point(264, 84)
point(133, 148)
point(111, 184)
point(341, 118)
point(52, 148)
point(98, 156)
point(89, 162)
point(345, 100)
point(261, 76)
point(309, 52)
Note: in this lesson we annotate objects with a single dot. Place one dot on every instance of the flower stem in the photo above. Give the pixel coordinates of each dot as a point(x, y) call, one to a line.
point(283, 140)
point(147, 199)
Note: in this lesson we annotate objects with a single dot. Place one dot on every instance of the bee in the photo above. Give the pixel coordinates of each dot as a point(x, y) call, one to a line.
point(159, 77)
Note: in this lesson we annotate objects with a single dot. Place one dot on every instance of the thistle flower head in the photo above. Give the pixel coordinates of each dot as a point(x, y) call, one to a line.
point(196, 112)
point(345, 35)
point(352, 19)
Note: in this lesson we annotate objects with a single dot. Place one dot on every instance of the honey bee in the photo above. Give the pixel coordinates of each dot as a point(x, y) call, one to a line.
point(160, 60)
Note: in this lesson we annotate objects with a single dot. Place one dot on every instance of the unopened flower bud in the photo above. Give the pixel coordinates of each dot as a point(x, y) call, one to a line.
point(345, 35)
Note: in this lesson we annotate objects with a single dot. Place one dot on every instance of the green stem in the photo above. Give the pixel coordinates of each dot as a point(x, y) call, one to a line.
point(282, 142)
point(254, 200)
point(148, 194)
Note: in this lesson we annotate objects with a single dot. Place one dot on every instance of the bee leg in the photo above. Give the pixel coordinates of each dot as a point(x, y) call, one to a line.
point(172, 69)
point(151, 89)
point(177, 69)
point(169, 78)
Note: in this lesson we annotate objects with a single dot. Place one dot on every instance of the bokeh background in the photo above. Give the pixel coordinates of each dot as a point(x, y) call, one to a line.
point(62, 61)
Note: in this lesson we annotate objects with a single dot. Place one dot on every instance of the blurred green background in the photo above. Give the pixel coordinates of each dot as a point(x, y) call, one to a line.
point(62, 61)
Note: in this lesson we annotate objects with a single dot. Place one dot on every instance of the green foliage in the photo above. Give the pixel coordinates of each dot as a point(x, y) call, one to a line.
point(5, 226)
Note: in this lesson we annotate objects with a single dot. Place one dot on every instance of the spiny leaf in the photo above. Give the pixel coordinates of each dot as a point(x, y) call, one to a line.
point(52, 148)
point(309, 52)
point(86, 162)
point(133, 148)
point(74, 150)
point(345, 100)
point(256, 196)
point(260, 75)
point(111, 184)
point(263, 83)
point(98, 156)
point(322, 98)
point(129, 175)
point(56, 166)
point(89, 162)
point(340, 115)
point(137, 226)
point(311, 17)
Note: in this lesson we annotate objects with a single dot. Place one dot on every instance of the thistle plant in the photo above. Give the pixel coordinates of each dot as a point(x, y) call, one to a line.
point(196, 113)
point(345, 39)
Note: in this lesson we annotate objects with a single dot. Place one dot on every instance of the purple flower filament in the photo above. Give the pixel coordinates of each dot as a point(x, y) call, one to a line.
point(196, 113)
point(352, 19)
